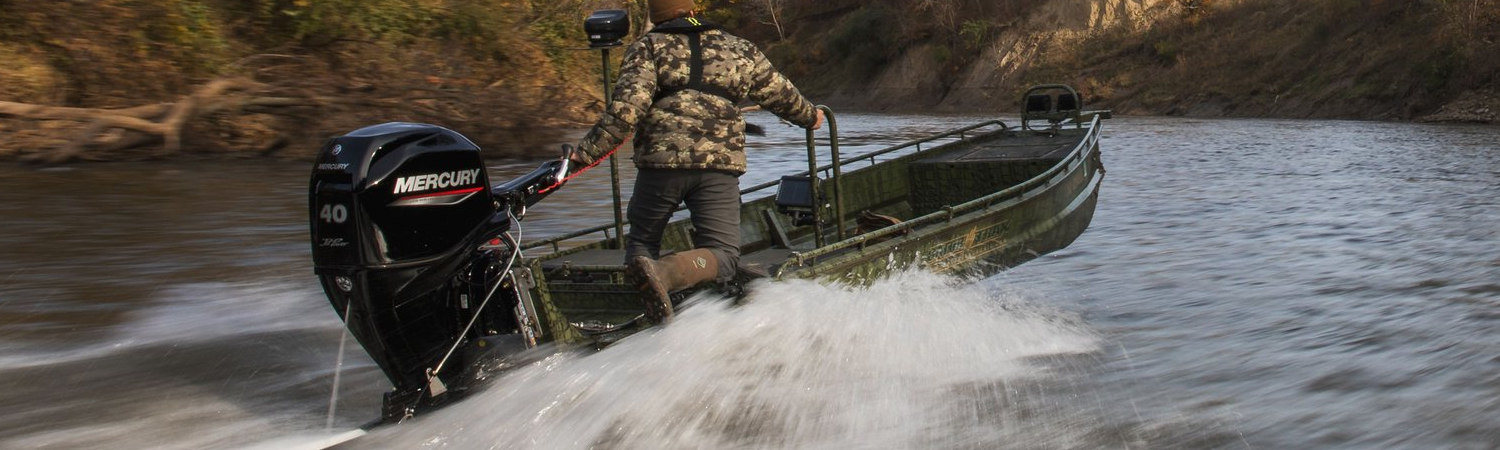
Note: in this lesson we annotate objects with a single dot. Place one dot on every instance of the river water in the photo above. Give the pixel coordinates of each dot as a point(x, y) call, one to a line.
point(1244, 284)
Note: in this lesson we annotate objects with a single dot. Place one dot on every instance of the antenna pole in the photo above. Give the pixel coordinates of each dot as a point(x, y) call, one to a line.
point(614, 165)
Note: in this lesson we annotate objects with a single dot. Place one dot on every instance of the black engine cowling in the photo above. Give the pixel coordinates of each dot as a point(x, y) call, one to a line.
point(417, 189)
point(397, 212)
point(409, 244)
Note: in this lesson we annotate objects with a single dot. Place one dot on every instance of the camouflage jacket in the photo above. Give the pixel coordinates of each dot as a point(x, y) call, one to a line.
point(680, 128)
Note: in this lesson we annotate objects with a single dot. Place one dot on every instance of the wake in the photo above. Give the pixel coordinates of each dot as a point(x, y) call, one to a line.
point(801, 364)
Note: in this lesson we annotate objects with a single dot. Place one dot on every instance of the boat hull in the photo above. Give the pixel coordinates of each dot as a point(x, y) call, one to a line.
point(976, 238)
point(1031, 211)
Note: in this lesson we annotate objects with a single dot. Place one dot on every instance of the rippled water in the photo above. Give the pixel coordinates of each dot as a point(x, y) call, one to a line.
point(1245, 284)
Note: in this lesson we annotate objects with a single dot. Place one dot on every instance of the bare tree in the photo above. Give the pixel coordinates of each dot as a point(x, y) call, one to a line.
point(772, 9)
point(1470, 15)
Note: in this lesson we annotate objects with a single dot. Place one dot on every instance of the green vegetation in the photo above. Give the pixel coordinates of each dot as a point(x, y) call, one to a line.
point(974, 33)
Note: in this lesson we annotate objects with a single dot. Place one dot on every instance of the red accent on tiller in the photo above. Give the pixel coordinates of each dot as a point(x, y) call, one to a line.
point(445, 193)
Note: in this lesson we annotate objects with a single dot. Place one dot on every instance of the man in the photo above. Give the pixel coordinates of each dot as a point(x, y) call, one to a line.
point(677, 91)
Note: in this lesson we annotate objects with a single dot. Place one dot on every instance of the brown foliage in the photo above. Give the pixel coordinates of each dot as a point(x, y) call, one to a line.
point(499, 71)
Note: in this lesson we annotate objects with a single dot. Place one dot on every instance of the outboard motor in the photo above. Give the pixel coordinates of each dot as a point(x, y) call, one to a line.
point(409, 244)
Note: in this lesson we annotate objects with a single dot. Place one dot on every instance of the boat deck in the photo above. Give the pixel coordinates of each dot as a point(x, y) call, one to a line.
point(984, 166)
point(592, 257)
point(1009, 147)
point(612, 259)
point(591, 284)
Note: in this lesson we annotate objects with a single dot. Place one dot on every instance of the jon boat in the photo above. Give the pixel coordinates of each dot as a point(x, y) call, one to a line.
point(414, 249)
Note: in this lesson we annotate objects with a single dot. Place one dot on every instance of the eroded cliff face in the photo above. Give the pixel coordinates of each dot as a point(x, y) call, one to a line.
point(1357, 59)
point(917, 78)
point(1056, 31)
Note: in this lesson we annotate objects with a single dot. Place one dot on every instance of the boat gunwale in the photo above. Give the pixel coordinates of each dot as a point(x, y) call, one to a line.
point(797, 264)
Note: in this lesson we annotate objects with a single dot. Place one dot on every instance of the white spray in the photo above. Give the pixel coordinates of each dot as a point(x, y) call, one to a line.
point(801, 365)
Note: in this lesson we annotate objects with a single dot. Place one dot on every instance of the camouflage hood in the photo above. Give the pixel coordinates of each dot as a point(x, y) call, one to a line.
point(687, 119)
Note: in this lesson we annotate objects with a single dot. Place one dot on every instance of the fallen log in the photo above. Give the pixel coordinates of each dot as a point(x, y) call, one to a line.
point(150, 124)
point(265, 114)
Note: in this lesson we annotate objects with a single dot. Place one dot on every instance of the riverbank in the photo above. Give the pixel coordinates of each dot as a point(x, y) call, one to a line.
point(105, 80)
point(504, 73)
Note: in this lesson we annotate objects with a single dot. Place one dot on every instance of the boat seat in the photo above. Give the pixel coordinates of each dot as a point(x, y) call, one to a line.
point(1038, 103)
point(1052, 108)
point(1067, 102)
point(868, 221)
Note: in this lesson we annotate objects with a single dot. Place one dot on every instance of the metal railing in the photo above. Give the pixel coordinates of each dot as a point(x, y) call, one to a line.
point(812, 167)
point(962, 134)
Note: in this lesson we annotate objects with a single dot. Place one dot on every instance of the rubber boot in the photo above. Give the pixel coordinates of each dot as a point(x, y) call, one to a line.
point(658, 279)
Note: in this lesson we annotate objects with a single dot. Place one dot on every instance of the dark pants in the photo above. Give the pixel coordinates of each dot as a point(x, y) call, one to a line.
point(712, 197)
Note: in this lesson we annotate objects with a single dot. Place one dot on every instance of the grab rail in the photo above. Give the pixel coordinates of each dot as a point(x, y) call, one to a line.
point(960, 132)
point(812, 169)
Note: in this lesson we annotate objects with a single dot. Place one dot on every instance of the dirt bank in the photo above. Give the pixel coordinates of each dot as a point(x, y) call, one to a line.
point(1355, 59)
point(506, 72)
point(502, 73)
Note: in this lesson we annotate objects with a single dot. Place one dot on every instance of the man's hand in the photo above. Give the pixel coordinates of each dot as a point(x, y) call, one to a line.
point(818, 124)
point(576, 159)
